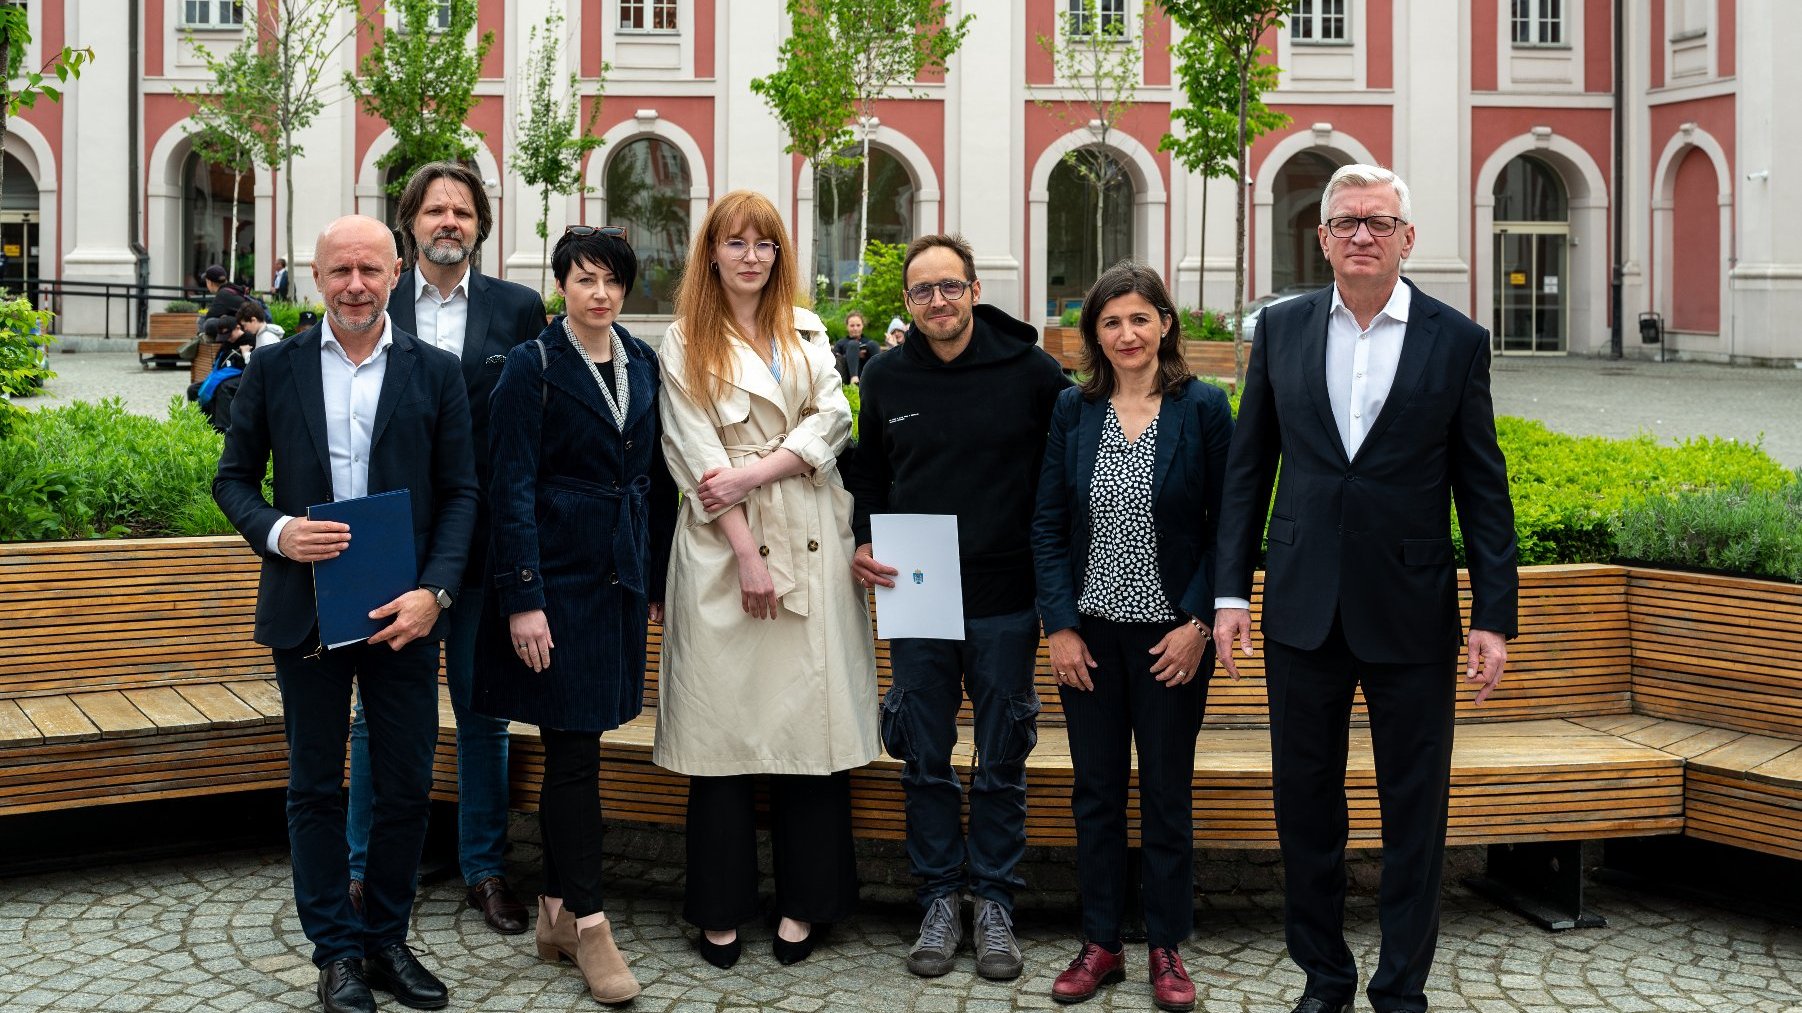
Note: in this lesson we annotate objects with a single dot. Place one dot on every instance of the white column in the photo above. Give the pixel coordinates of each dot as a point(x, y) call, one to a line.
point(748, 152)
point(1431, 87)
point(97, 193)
point(984, 159)
point(1765, 285)
point(515, 251)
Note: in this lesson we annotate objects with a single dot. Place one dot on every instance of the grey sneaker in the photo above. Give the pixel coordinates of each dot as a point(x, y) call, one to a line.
point(997, 954)
point(941, 933)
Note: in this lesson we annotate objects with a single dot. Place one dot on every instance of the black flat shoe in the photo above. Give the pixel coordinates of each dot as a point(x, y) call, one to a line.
point(395, 970)
point(787, 953)
point(720, 955)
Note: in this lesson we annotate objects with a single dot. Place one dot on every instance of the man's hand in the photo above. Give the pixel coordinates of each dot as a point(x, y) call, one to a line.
point(307, 541)
point(1231, 625)
point(415, 613)
point(1487, 659)
point(654, 613)
point(727, 487)
point(1070, 660)
point(867, 571)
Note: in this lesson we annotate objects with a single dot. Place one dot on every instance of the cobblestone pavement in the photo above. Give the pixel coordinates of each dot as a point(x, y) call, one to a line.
point(219, 933)
point(1586, 396)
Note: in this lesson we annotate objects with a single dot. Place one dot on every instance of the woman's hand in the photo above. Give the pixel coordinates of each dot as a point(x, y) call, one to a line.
point(655, 613)
point(721, 488)
point(1070, 660)
point(1179, 654)
point(531, 634)
point(756, 591)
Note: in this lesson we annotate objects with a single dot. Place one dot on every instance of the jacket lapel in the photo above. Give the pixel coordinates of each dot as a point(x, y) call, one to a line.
point(475, 329)
point(1417, 347)
point(1088, 443)
point(403, 355)
point(1171, 418)
point(644, 387)
point(752, 374)
point(1313, 364)
point(309, 390)
point(400, 301)
point(565, 370)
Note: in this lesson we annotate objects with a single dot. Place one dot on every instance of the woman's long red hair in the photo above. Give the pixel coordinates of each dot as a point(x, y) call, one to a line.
point(707, 324)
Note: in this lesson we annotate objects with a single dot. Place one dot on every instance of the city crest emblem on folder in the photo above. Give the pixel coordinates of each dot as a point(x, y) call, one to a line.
point(919, 577)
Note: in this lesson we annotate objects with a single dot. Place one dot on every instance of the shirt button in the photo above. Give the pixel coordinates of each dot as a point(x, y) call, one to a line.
point(1357, 415)
point(1358, 376)
point(628, 444)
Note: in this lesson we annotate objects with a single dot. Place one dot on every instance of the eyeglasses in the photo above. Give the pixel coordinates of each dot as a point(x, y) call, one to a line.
point(951, 288)
point(763, 249)
point(1380, 226)
point(584, 231)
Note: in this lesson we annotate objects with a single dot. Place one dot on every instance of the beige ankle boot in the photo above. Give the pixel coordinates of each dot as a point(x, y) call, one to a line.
point(558, 940)
point(609, 980)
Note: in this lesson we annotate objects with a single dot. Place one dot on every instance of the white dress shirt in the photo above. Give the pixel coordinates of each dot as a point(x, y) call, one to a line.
point(438, 318)
point(351, 393)
point(1360, 369)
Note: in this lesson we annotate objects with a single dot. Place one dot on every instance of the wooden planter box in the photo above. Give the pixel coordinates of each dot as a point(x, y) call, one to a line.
point(174, 325)
point(1211, 358)
point(1064, 344)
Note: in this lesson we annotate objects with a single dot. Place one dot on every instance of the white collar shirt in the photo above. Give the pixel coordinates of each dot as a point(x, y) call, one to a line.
point(1361, 361)
point(440, 318)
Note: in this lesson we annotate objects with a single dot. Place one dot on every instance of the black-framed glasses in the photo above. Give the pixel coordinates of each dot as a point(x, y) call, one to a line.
point(952, 289)
point(1380, 226)
point(584, 231)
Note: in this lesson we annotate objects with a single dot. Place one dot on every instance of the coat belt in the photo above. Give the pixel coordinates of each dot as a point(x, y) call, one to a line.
point(632, 533)
point(779, 539)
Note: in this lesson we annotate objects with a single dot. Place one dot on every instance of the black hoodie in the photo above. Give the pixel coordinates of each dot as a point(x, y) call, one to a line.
point(964, 437)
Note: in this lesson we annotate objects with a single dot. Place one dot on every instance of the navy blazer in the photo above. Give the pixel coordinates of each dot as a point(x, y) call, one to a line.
point(420, 443)
point(1368, 539)
point(1195, 428)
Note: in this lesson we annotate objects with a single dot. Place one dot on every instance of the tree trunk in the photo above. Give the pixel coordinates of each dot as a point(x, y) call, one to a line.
point(231, 250)
point(544, 235)
point(863, 219)
point(1201, 287)
point(1239, 240)
point(832, 253)
point(1100, 210)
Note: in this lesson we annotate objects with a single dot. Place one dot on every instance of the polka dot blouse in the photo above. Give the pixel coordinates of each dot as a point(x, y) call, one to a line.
point(1121, 581)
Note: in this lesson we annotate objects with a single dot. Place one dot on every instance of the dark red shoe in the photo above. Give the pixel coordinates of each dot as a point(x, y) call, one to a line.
point(1092, 968)
point(1171, 988)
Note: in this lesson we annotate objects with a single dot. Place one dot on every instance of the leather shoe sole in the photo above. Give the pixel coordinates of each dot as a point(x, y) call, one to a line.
point(1113, 977)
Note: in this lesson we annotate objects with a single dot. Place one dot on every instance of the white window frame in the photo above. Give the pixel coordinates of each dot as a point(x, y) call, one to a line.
point(1108, 11)
point(439, 24)
point(1535, 19)
point(216, 15)
point(1311, 21)
point(645, 13)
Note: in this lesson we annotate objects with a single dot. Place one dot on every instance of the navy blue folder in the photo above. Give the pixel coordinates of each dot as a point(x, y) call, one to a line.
point(379, 566)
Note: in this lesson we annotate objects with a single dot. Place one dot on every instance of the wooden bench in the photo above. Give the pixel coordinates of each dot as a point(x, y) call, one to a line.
point(1638, 703)
point(154, 352)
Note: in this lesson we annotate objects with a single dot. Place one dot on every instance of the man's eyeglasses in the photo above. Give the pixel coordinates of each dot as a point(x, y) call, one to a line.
point(584, 231)
point(763, 249)
point(1380, 226)
point(951, 288)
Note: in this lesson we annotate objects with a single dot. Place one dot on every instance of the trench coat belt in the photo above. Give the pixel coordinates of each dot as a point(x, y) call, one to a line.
point(632, 534)
point(771, 519)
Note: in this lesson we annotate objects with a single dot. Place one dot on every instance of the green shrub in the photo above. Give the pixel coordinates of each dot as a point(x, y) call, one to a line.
point(553, 303)
point(1205, 325)
point(95, 470)
point(23, 368)
point(1071, 317)
point(286, 315)
point(181, 306)
point(1741, 529)
point(881, 297)
point(853, 395)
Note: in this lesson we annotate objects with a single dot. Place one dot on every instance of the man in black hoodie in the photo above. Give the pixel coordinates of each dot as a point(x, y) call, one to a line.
point(954, 422)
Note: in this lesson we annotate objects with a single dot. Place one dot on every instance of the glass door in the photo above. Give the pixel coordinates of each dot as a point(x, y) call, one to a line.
point(1530, 291)
point(18, 250)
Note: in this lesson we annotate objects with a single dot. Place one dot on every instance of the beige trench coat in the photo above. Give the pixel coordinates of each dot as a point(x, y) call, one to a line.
point(736, 695)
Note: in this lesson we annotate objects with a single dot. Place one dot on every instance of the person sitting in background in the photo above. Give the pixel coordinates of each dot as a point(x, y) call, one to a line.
point(226, 297)
point(897, 333)
point(256, 326)
point(854, 349)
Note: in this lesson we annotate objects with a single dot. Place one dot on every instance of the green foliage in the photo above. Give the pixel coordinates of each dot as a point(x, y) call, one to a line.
point(553, 303)
point(22, 342)
point(1208, 143)
point(1739, 529)
point(854, 394)
point(15, 36)
point(95, 470)
point(1071, 317)
point(286, 315)
point(551, 138)
point(881, 298)
point(1205, 325)
point(420, 79)
point(181, 306)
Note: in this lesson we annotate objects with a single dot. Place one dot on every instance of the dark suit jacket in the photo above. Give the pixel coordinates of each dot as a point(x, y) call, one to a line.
point(1369, 539)
point(501, 315)
point(1195, 428)
point(420, 443)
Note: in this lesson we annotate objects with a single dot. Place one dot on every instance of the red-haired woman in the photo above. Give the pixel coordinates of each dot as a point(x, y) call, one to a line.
point(768, 666)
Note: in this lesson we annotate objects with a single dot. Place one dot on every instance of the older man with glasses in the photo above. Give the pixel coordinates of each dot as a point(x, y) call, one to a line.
point(954, 422)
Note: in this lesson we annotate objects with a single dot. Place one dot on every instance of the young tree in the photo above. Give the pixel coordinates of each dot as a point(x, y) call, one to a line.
point(1209, 142)
point(281, 64)
point(216, 141)
point(811, 93)
point(549, 141)
point(420, 77)
point(1098, 60)
point(1235, 26)
point(15, 36)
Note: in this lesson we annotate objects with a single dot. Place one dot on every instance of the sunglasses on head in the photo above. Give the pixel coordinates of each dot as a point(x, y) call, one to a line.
point(584, 231)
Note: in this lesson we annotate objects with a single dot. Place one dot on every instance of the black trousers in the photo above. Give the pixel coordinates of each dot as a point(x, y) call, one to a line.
point(400, 702)
point(569, 818)
point(1411, 713)
point(1128, 710)
point(810, 842)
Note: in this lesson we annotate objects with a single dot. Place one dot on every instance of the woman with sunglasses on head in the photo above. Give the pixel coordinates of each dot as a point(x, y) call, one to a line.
point(583, 513)
point(768, 666)
point(1123, 544)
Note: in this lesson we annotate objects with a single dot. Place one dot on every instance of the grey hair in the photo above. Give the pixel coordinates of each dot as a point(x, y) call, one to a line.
point(1365, 175)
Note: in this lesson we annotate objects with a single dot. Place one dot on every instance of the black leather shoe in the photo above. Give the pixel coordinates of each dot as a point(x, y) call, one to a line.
point(1309, 1004)
point(787, 953)
point(720, 955)
point(342, 988)
point(395, 970)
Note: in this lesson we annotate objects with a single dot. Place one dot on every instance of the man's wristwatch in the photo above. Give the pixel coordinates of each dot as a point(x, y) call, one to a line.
point(440, 595)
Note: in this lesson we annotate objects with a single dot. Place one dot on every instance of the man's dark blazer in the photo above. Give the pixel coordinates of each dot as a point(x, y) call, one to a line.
point(501, 314)
point(1369, 539)
point(420, 443)
point(1195, 427)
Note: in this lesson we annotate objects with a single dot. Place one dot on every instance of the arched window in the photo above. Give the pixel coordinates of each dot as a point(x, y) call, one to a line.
point(647, 192)
point(837, 208)
point(1295, 260)
point(207, 218)
point(18, 225)
point(1071, 264)
point(1529, 190)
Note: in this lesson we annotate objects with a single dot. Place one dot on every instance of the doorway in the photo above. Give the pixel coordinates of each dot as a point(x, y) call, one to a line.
point(18, 248)
point(1531, 239)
